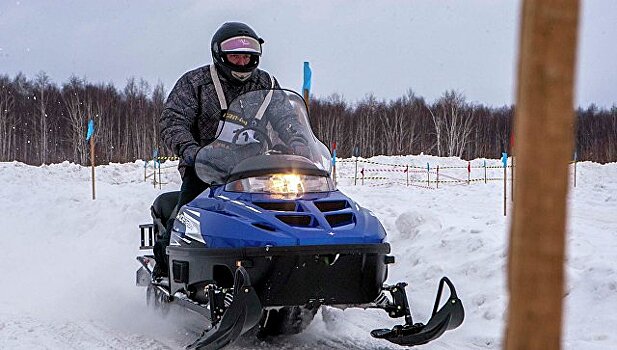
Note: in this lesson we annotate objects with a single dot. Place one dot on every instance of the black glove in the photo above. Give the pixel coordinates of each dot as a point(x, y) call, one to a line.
point(222, 159)
point(190, 154)
point(298, 147)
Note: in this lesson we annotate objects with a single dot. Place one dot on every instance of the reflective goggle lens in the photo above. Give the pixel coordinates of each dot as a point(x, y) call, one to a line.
point(243, 44)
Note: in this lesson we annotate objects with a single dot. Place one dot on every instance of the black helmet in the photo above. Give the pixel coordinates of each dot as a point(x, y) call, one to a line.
point(235, 38)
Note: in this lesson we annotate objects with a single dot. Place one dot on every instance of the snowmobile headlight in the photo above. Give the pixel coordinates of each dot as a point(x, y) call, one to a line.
point(282, 184)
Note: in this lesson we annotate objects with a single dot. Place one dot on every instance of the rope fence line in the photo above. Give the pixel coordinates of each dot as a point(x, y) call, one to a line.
point(431, 175)
point(355, 171)
point(424, 181)
point(411, 166)
point(155, 166)
point(388, 174)
point(167, 158)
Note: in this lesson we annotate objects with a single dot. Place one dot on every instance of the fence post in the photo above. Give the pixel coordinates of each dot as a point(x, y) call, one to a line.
point(407, 171)
point(160, 177)
point(468, 172)
point(512, 179)
point(334, 162)
point(504, 160)
point(154, 173)
point(355, 174)
point(362, 173)
point(92, 161)
point(438, 176)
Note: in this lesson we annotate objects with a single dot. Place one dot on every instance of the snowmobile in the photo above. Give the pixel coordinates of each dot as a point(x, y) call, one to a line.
point(272, 239)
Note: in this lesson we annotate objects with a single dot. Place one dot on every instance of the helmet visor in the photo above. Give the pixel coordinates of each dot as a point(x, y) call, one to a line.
point(241, 44)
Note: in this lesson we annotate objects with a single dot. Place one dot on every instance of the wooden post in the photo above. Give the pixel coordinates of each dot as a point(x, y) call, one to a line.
point(438, 176)
point(512, 179)
point(355, 174)
point(407, 171)
point(362, 176)
point(334, 162)
point(505, 187)
point(468, 172)
point(544, 133)
point(93, 165)
point(154, 174)
point(160, 178)
point(305, 92)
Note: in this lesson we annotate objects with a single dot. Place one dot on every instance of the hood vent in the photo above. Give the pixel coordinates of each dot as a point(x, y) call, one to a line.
point(277, 206)
point(336, 220)
point(326, 206)
point(297, 220)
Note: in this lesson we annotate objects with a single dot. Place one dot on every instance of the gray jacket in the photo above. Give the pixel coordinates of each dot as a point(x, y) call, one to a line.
point(192, 110)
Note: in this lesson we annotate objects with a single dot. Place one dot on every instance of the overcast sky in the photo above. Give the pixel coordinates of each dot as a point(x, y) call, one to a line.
point(354, 47)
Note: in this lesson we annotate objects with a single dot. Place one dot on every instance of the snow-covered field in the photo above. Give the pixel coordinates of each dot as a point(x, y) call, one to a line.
point(68, 262)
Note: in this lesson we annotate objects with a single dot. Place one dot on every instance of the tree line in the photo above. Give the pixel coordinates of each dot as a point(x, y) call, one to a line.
point(42, 123)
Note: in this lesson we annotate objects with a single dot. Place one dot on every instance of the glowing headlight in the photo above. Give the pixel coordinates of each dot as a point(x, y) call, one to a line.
point(282, 184)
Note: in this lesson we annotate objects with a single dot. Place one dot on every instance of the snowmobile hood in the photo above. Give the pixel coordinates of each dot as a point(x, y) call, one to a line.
point(224, 219)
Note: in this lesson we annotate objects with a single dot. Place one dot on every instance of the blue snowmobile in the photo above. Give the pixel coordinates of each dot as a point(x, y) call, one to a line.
point(272, 239)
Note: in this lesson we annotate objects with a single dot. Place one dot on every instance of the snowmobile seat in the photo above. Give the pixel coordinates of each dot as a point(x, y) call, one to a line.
point(163, 208)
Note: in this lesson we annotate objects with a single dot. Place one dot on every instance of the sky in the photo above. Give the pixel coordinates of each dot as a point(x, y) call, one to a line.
point(355, 48)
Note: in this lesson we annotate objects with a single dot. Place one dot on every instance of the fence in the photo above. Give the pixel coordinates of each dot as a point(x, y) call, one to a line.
point(430, 175)
point(360, 171)
point(160, 172)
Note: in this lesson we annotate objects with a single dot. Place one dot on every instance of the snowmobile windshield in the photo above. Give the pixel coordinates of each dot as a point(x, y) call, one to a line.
point(263, 130)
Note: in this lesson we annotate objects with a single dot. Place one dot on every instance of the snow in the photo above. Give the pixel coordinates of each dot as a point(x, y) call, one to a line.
point(68, 263)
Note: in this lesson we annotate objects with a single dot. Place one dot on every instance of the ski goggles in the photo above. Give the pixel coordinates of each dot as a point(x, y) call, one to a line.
point(241, 44)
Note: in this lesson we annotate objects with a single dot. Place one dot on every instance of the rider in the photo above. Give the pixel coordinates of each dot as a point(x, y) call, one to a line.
point(193, 109)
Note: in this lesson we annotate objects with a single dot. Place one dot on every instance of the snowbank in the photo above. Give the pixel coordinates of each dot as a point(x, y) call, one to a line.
point(68, 262)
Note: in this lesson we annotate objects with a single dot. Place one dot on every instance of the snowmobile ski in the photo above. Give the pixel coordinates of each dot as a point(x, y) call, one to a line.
point(243, 314)
point(449, 316)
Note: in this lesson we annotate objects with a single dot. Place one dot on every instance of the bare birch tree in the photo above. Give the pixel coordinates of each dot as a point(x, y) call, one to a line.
point(453, 122)
point(8, 119)
point(41, 84)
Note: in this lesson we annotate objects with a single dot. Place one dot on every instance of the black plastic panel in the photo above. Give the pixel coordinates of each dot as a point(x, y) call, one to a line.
point(180, 271)
point(296, 220)
point(326, 206)
point(336, 220)
point(277, 206)
point(296, 275)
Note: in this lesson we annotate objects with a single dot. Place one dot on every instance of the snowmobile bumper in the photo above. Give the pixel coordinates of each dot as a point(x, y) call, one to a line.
point(449, 317)
point(291, 275)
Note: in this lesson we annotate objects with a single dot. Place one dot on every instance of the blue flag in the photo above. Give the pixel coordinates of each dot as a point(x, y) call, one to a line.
point(334, 157)
point(307, 77)
point(504, 159)
point(90, 129)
